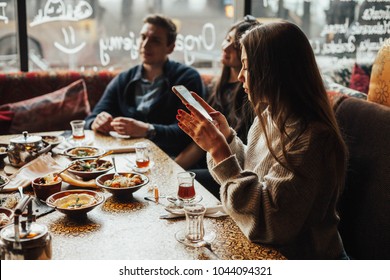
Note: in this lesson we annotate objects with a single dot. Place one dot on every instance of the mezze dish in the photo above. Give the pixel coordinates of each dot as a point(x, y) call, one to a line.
point(75, 202)
point(3, 181)
point(89, 169)
point(122, 184)
point(84, 152)
point(53, 140)
point(6, 216)
point(3, 151)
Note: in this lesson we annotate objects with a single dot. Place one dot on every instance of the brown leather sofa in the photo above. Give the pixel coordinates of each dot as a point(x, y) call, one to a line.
point(365, 203)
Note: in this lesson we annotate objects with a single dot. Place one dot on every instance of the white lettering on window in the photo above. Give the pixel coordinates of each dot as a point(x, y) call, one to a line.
point(55, 10)
point(3, 16)
point(190, 45)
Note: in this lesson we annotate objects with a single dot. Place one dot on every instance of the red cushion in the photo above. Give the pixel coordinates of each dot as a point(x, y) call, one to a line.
point(51, 111)
point(360, 80)
point(5, 121)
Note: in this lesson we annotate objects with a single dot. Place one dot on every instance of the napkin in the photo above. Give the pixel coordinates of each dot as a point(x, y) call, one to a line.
point(211, 212)
point(38, 167)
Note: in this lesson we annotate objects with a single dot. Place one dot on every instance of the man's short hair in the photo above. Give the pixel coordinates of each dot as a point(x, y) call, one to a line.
point(165, 23)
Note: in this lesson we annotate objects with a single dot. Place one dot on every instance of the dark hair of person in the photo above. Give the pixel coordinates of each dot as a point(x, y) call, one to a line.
point(242, 115)
point(165, 23)
point(283, 74)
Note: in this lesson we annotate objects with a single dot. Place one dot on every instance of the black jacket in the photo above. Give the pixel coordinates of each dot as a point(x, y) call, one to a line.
point(119, 100)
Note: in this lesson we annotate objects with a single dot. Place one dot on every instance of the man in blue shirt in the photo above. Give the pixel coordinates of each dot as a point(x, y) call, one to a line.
point(139, 102)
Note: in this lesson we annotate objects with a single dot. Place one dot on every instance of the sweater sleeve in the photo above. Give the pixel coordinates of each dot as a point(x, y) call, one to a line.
point(233, 162)
point(274, 209)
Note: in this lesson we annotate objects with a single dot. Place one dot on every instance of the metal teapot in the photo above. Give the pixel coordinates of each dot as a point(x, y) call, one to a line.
point(25, 240)
point(25, 148)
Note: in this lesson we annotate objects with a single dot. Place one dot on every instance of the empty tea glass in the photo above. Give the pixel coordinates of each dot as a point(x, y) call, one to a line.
point(186, 190)
point(194, 222)
point(142, 157)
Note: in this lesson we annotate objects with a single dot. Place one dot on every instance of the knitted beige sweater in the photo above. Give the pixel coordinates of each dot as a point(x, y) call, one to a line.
point(271, 205)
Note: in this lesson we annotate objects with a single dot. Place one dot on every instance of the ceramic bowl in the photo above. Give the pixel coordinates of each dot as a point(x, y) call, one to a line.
point(90, 172)
point(83, 152)
point(122, 192)
point(3, 181)
point(9, 213)
point(53, 140)
point(43, 190)
point(3, 151)
point(75, 202)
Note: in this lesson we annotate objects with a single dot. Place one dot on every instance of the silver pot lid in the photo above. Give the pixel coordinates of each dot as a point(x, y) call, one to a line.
point(26, 139)
point(36, 232)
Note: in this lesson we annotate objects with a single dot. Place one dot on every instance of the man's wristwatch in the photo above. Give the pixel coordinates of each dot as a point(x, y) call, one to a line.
point(151, 132)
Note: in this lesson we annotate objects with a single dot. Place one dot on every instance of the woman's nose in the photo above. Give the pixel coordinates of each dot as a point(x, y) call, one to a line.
point(240, 76)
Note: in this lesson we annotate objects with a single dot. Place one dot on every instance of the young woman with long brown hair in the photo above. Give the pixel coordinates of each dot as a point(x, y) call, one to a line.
point(282, 187)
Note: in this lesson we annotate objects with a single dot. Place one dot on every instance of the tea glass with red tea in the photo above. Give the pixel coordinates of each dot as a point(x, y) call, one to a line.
point(186, 191)
point(142, 157)
point(78, 133)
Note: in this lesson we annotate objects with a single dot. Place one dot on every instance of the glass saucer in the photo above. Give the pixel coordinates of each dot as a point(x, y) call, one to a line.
point(180, 202)
point(208, 237)
point(143, 169)
point(176, 205)
point(76, 143)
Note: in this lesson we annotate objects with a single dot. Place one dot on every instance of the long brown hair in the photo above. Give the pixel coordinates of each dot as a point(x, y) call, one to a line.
point(240, 117)
point(283, 73)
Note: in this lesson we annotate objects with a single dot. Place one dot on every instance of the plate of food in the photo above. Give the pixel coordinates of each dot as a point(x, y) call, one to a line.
point(75, 202)
point(6, 216)
point(83, 152)
point(3, 181)
point(122, 184)
point(3, 151)
point(53, 140)
point(89, 169)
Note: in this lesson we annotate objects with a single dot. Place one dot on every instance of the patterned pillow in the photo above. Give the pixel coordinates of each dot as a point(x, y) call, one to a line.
point(332, 86)
point(359, 79)
point(340, 76)
point(5, 121)
point(51, 111)
point(379, 90)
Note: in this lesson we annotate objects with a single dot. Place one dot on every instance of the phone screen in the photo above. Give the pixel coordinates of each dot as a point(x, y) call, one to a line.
point(183, 93)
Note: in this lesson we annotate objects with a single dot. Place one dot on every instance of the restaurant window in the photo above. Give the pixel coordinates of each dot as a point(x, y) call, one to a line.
point(339, 30)
point(103, 34)
point(9, 58)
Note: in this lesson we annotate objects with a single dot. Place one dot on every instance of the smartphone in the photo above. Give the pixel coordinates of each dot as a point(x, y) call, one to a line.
point(186, 97)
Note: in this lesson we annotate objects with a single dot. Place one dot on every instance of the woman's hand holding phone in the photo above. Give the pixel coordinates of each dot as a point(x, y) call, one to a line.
point(209, 135)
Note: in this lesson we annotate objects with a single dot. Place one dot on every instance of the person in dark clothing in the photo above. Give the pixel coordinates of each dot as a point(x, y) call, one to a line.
point(139, 101)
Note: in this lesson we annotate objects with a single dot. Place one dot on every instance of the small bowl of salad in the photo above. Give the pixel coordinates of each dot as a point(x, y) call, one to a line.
point(89, 169)
point(122, 184)
point(46, 185)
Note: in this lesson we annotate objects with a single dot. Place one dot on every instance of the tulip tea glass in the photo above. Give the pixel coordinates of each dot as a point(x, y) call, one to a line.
point(186, 190)
point(194, 222)
point(142, 158)
point(78, 133)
